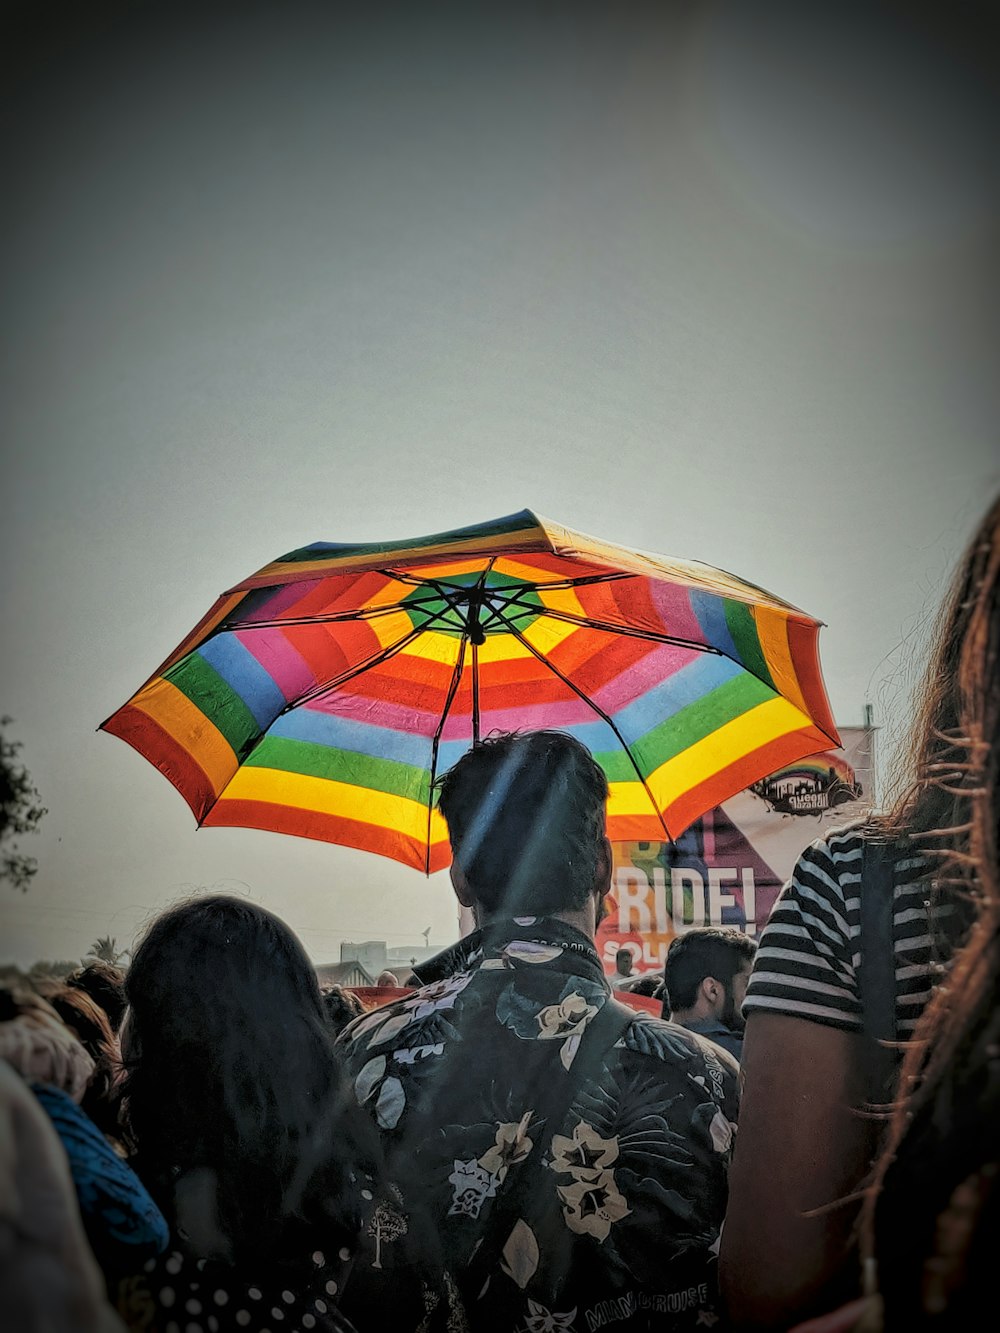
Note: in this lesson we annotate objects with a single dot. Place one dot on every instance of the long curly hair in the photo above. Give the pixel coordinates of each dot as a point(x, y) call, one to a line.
point(230, 1071)
point(935, 1181)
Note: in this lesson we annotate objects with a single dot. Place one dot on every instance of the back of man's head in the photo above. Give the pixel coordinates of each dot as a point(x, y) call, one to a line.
point(704, 951)
point(526, 819)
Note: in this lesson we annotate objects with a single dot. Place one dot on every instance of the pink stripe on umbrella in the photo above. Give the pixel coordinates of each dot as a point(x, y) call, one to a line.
point(673, 605)
point(570, 713)
point(280, 602)
point(377, 712)
point(662, 663)
point(283, 663)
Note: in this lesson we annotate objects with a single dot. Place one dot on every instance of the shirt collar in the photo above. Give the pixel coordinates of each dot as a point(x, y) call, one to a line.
point(707, 1027)
point(575, 952)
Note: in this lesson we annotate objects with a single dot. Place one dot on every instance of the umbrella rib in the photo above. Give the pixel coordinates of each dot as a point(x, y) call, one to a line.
point(375, 660)
point(582, 581)
point(475, 694)
point(494, 615)
point(653, 637)
point(339, 617)
point(318, 690)
point(452, 691)
point(453, 601)
point(609, 628)
point(450, 593)
point(544, 587)
point(330, 618)
point(600, 713)
point(400, 577)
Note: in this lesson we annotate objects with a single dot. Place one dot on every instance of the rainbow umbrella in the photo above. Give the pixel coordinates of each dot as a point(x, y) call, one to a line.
point(323, 695)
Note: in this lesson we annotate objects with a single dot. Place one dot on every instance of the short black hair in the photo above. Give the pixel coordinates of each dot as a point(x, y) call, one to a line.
point(704, 951)
point(649, 984)
point(526, 819)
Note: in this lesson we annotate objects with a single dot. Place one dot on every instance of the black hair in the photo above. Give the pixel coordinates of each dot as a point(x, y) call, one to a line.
point(230, 1071)
point(526, 819)
point(649, 984)
point(704, 951)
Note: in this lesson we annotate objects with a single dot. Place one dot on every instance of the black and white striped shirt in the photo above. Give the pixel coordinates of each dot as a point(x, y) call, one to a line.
point(807, 962)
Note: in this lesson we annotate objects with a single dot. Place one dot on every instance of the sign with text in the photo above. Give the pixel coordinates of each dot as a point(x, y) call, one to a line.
point(729, 866)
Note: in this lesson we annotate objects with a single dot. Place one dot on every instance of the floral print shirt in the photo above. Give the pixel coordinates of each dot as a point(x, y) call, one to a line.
point(616, 1222)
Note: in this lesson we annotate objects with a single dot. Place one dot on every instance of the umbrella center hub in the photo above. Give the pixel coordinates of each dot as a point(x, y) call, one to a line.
point(477, 608)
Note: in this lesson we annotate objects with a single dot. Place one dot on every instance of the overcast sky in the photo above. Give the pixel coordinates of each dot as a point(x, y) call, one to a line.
point(715, 280)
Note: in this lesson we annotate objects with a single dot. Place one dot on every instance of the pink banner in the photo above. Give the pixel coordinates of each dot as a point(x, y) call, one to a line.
point(730, 865)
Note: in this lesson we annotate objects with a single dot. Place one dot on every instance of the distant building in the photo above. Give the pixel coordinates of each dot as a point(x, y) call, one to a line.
point(345, 973)
point(376, 956)
point(371, 954)
point(412, 954)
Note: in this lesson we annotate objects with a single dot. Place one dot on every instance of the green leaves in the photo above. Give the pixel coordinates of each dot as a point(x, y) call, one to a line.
point(20, 813)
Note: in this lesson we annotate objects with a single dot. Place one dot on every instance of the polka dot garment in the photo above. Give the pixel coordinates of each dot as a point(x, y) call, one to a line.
point(178, 1294)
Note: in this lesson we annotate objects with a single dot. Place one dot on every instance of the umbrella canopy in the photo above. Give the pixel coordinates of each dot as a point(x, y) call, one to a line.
point(323, 695)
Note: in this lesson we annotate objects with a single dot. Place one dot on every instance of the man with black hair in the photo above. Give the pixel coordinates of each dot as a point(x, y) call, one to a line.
point(624, 970)
point(554, 1160)
point(705, 979)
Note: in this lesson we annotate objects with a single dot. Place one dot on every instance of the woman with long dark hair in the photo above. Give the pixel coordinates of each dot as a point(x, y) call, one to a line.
point(816, 1084)
point(931, 1219)
point(246, 1134)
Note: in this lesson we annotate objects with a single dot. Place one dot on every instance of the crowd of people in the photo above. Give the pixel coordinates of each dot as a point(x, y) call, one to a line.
point(210, 1141)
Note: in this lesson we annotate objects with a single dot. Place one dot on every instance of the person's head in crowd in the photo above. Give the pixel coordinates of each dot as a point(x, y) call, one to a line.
point(387, 978)
point(341, 1007)
point(931, 1217)
point(624, 962)
point(85, 1019)
point(39, 1045)
point(92, 1028)
point(105, 984)
point(649, 984)
point(526, 821)
point(705, 976)
point(245, 1131)
point(49, 1274)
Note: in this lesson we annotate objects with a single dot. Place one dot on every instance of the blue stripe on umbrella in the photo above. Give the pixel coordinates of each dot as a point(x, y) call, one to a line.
point(332, 729)
point(244, 674)
point(711, 612)
point(668, 697)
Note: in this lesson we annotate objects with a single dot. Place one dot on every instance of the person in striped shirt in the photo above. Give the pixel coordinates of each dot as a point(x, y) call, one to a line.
point(810, 1127)
point(810, 950)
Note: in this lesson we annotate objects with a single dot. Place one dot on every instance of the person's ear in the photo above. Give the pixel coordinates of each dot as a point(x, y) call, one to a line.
point(711, 990)
point(605, 864)
point(602, 881)
point(461, 886)
point(601, 908)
